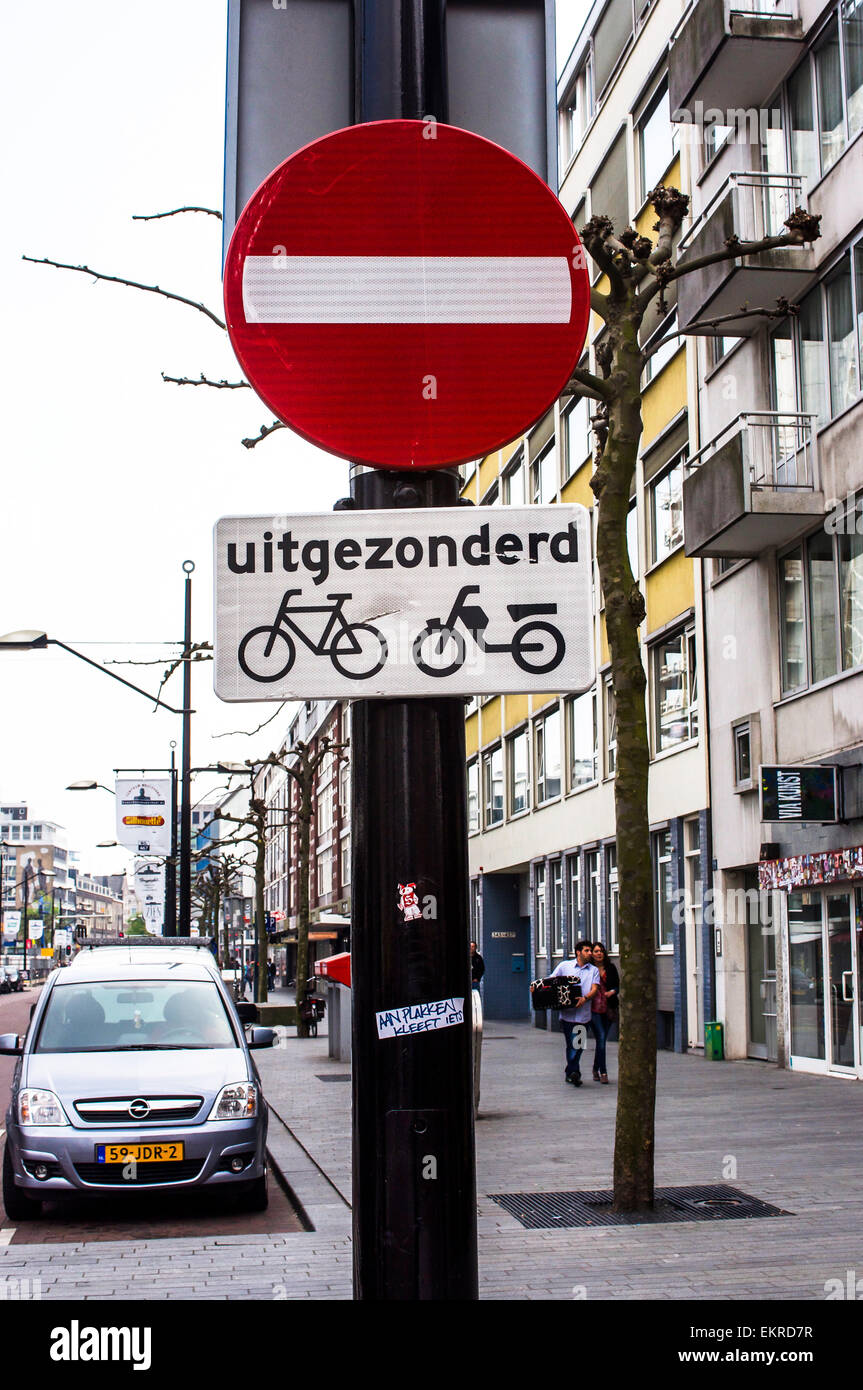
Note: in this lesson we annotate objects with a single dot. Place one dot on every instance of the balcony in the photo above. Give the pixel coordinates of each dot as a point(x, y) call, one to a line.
point(732, 56)
point(751, 205)
point(752, 488)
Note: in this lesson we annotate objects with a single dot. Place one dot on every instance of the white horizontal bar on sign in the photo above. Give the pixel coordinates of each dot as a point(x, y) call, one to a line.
point(407, 289)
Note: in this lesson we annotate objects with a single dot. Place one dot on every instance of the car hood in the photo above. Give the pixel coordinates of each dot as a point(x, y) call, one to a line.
point(89, 1075)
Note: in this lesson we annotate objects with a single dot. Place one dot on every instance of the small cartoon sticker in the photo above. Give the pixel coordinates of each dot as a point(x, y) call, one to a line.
point(409, 902)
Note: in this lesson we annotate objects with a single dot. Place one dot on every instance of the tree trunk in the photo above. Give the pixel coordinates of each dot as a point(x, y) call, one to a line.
point(624, 612)
point(305, 819)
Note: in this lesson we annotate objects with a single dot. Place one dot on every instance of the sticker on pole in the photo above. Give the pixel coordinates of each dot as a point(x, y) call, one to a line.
point(420, 1018)
point(439, 601)
point(406, 294)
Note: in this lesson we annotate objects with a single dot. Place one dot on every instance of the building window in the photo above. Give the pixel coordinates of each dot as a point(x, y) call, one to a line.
point(591, 871)
point(657, 139)
point(613, 901)
point(345, 865)
point(519, 773)
point(610, 728)
point(663, 891)
point(325, 873)
point(573, 897)
point(547, 750)
point(582, 731)
point(742, 754)
point(557, 907)
point(632, 540)
point(543, 475)
point(675, 690)
point(472, 796)
point(821, 603)
point(662, 346)
point(540, 910)
point(493, 779)
point(666, 510)
point(578, 111)
point(577, 435)
point(513, 482)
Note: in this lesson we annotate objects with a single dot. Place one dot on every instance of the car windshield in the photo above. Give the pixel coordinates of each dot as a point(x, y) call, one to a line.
point(151, 1015)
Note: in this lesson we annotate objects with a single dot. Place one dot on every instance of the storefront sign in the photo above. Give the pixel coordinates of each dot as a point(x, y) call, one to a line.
point(799, 794)
point(803, 870)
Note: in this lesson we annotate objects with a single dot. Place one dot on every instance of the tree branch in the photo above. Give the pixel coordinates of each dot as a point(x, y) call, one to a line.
point(154, 216)
point(251, 732)
point(735, 248)
point(265, 430)
point(592, 386)
point(202, 380)
point(133, 284)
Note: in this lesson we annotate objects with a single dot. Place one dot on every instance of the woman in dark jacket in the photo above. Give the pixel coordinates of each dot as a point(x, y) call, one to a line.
point(606, 1004)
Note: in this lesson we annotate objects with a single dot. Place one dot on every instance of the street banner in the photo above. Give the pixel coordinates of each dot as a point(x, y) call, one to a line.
point(439, 601)
point(11, 925)
point(149, 885)
point(62, 938)
point(144, 815)
point(35, 928)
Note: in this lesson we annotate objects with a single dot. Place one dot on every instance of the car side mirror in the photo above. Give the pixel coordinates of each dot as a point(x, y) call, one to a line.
point(10, 1045)
point(262, 1037)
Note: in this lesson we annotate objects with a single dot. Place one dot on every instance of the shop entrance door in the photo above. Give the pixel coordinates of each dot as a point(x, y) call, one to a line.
point(826, 975)
point(761, 972)
point(843, 1031)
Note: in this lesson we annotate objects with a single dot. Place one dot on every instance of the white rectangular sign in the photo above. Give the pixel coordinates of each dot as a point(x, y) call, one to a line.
point(420, 1018)
point(438, 601)
point(11, 924)
point(149, 886)
point(144, 814)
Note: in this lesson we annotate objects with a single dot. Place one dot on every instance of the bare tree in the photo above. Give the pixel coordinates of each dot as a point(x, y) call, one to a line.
point(255, 828)
point(638, 272)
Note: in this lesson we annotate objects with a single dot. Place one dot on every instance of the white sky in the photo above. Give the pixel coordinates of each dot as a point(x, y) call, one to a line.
point(112, 478)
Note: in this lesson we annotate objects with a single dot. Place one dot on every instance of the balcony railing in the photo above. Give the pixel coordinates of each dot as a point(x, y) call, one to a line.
point(762, 203)
point(732, 54)
point(780, 448)
point(754, 487)
point(765, 9)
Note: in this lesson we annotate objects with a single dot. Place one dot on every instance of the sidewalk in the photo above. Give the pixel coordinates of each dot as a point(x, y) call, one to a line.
point(789, 1139)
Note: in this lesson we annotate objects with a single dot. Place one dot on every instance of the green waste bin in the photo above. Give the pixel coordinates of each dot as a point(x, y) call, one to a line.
point(714, 1050)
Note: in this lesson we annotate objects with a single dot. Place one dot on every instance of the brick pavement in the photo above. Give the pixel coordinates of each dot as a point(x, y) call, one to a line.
point(787, 1138)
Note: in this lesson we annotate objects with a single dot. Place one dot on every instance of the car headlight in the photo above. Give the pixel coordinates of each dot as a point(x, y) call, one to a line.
point(40, 1108)
point(239, 1101)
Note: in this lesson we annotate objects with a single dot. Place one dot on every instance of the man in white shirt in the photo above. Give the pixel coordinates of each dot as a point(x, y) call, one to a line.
point(574, 1022)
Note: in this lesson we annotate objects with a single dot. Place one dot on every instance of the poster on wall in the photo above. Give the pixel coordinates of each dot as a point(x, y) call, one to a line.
point(144, 815)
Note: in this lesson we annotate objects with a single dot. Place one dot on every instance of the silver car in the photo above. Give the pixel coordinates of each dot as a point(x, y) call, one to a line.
point(135, 1073)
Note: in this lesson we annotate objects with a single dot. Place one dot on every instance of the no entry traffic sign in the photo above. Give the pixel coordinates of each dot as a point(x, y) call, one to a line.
point(406, 294)
point(438, 601)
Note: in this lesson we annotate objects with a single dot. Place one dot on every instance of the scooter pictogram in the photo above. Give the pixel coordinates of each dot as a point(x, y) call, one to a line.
point(440, 649)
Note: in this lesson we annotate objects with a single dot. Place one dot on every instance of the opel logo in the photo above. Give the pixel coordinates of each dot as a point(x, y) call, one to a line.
point(139, 1109)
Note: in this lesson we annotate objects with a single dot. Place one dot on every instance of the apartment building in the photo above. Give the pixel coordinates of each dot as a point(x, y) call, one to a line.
point(541, 767)
point(330, 837)
point(99, 905)
point(772, 506)
point(35, 849)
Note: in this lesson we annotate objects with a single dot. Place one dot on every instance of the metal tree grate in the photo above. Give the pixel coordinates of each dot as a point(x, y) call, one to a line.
point(547, 1210)
point(335, 1076)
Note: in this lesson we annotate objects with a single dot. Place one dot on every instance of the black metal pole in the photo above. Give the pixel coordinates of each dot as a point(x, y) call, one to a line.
point(170, 919)
point(414, 1221)
point(24, 934)
point(186, 763)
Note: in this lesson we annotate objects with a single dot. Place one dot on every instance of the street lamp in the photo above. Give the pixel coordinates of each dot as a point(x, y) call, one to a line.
point(28, 640)
point(89, 786)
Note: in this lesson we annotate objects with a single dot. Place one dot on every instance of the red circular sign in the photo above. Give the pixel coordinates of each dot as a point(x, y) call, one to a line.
point(406, 294)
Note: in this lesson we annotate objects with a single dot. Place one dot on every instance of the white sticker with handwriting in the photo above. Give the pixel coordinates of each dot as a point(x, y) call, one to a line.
point(420, 1018)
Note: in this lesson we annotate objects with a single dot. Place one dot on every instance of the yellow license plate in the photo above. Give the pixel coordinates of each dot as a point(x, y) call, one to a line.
point(139, 1153)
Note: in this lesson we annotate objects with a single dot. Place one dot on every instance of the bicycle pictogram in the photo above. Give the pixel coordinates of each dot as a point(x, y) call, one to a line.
point(357, 650)
point(440, 649)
